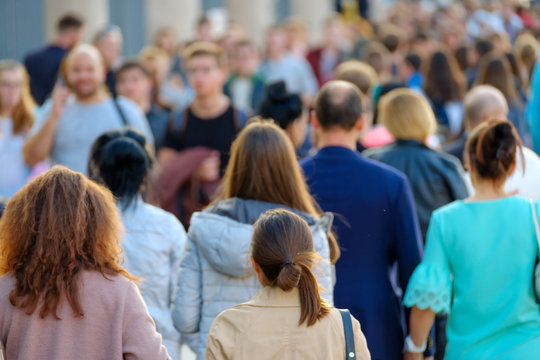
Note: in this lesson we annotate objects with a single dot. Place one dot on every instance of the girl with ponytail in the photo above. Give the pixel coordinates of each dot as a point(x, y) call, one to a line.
point(215, 274)
point(287, 319)
point(479, 261)
point(154, 240)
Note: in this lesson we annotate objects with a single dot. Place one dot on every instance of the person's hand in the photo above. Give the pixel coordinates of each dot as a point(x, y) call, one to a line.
point(59, 97)
point(413, 356)
point(208, 170)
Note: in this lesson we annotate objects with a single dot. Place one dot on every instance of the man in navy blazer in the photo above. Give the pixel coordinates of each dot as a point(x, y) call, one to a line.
point(376, 221)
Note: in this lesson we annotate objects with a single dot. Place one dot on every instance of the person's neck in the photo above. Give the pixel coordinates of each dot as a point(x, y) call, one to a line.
point(210, 106)
point(338, 137)
point(144, 104)
point(6, 112)
point(98, 96)
point(487, 190)
point(275, 56)
point(61, 42)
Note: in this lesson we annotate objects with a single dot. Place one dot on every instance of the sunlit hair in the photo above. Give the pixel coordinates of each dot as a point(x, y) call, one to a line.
point(57, 226)
point(282, 245)
point(263, 167)
point(87, 49)
point(23, 114)
point(359, 73)
point(206, 48)
point(407, 115)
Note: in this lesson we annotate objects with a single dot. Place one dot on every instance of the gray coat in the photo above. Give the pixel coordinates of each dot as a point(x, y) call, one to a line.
point(216, 273)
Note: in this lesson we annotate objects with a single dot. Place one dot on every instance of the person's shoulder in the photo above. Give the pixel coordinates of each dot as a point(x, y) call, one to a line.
point(381, 170)
point(449, 210)
point(7, 283)
point(108, 284)
point(376, 153)
point(126, 104)
point(162, 216)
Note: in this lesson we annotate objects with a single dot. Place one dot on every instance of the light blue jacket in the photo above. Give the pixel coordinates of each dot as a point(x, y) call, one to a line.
point(216, 273)
point(153, 246)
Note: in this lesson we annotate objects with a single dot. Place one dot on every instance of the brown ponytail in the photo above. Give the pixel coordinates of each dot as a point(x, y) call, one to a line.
point(492, 149)
point(282, 245)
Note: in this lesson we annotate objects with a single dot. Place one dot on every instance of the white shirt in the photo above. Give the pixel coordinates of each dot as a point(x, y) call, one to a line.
point(526, 184)
point(14, 172)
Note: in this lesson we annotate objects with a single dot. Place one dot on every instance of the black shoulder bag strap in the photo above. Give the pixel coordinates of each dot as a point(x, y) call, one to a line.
point(350, 353)
point(120, 111)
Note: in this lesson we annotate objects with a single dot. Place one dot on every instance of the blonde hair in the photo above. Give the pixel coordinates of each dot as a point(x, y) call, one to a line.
point(358, 73)
point(206, 48)
point(407, 115)
point(23, 114)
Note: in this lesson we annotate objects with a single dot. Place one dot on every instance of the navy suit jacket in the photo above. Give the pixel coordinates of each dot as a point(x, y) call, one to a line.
point(378, 231)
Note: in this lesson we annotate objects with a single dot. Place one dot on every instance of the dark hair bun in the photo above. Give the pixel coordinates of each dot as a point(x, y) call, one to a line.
point(492, 149)
point(280, 105)
point(122, 164)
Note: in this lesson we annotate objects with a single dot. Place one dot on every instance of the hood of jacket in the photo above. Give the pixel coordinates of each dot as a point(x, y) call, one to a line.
point(223, 232)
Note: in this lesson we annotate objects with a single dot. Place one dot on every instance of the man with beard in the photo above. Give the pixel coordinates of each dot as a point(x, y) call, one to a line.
point(79, 112)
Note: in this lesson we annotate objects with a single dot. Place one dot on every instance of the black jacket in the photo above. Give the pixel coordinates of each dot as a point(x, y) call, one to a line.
point(435, 177)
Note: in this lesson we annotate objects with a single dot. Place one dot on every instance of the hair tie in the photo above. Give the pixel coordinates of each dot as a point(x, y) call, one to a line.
point(498, 152)
point(288, 262)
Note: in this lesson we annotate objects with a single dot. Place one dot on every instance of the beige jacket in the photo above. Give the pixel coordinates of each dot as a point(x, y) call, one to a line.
point(266, 328)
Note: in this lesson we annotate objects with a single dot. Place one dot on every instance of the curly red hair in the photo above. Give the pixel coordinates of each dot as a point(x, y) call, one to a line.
point(57, 226)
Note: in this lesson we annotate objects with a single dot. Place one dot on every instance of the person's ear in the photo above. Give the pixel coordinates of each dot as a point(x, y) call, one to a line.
point(256, 266)
point(512, 169)
point(314, 120)
point(360, 123)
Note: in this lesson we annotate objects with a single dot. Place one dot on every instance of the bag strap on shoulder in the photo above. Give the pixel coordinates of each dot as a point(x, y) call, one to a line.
point(120, 111)
point(350, 353)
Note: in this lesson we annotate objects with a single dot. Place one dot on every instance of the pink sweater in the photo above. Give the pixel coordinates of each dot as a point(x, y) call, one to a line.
point(116, 325)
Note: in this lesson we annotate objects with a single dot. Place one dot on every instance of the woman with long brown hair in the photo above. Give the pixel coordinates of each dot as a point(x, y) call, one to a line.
point(494, 69)
point(287, 318)
point(445, 87)
point(63, 293)
point(16, 118)
point(262, 174)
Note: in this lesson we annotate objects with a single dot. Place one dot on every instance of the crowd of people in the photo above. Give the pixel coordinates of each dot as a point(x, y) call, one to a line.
point(232, 198)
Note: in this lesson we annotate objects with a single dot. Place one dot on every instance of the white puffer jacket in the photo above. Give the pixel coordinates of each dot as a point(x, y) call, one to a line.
point(216, 273)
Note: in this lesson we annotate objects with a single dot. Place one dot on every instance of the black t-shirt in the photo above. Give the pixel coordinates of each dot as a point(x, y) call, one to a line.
point(187, 130)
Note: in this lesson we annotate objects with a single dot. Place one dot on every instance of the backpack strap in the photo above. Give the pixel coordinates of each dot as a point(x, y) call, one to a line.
point(120, 111)
point(350, 353)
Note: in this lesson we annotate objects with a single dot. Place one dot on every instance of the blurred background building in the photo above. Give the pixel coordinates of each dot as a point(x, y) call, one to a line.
point(27, 24)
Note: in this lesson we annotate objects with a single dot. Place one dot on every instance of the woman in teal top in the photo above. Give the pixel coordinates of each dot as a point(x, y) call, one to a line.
point(479, 263)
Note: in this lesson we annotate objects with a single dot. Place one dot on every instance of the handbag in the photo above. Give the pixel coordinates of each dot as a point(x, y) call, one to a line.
point(537, 267)
point(350, 353)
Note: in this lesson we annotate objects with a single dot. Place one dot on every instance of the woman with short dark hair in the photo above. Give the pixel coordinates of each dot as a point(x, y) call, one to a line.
point(154, 240)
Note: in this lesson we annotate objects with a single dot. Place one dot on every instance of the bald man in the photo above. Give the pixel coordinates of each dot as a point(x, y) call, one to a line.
point(80, 111)
point(484, 103)
point(375, 220)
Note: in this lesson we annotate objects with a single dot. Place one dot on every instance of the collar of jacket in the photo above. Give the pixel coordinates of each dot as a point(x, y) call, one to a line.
point(275, 297)
point(410, 142)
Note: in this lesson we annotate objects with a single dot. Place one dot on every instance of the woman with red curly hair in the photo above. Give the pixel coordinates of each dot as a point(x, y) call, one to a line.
point(63, 293)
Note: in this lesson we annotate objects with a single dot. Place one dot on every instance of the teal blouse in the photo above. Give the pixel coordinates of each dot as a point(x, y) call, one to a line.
point(478, 268)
